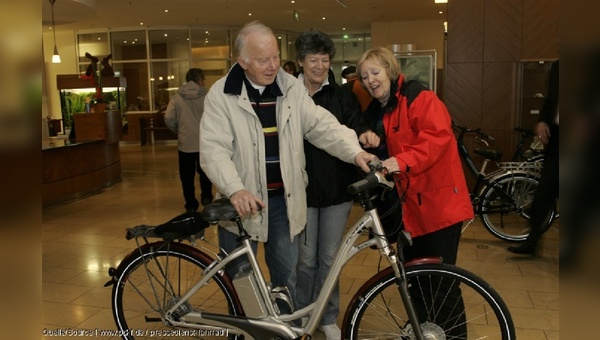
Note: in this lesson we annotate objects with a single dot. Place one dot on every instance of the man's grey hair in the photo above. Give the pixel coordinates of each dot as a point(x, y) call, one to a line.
point(249, 29)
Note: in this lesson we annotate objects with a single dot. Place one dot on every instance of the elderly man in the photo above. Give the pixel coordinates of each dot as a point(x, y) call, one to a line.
point(253, 129)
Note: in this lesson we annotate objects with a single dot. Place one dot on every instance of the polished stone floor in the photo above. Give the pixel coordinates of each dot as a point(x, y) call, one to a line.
point(83, 238)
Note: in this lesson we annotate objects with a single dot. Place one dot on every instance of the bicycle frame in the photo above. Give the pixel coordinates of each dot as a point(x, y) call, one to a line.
point(281, 325)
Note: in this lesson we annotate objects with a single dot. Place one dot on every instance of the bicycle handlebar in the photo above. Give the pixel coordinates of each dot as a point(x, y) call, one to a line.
point(373, 179)
point(476, 131)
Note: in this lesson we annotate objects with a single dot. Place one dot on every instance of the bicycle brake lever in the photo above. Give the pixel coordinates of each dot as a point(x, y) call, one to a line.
point(383, 180)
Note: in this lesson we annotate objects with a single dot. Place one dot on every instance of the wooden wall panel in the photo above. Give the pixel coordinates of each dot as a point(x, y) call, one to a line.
point(499, 96)
point(464, 92)
point(540, 30)
point(465, 31)
point(502, 30)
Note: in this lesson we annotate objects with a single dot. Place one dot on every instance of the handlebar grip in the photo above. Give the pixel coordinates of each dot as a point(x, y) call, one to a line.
point(488, 137)
point(369, 182)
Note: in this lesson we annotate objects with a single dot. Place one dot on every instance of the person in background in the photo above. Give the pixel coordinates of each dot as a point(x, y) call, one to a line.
point(546, 193)
point(182, 116)
point(329, 202)
point(255, 121)
point(290, 67)
point(418, 141)
point(364, 98)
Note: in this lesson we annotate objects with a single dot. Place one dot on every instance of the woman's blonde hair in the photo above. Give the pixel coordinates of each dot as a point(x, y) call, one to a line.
point(382, 56)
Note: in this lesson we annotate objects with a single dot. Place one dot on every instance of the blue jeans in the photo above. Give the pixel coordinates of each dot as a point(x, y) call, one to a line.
point(319, 243)
point(281, 253)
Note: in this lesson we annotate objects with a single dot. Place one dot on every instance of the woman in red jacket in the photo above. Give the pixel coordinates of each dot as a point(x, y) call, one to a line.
point(416, 136)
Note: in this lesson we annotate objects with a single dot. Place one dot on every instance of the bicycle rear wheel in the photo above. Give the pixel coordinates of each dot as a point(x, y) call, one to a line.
point(451, 303)
point(507, 218)
point(152, 279)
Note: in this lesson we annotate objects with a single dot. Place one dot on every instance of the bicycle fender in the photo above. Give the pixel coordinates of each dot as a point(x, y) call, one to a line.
point(114, 273)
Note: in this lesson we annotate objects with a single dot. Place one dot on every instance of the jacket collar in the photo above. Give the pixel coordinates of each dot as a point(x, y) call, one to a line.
point(236, 78)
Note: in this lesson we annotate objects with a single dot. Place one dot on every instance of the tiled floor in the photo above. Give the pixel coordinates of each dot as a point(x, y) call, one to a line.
point(83, 238)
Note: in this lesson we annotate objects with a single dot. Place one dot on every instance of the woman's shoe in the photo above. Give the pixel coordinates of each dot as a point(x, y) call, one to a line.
point(524, 249)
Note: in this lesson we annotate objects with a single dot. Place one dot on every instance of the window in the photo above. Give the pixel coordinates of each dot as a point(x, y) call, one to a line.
point(169, 44)
point(154, 61)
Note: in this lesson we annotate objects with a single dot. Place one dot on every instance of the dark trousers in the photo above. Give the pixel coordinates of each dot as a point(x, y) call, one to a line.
point(189, 165)
point(431, 305)
point(546, 193)
point(442, 243)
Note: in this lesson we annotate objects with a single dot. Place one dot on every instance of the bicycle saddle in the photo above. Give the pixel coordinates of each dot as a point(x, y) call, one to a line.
point(489, 153)
point(185, 225)
point(219, 210)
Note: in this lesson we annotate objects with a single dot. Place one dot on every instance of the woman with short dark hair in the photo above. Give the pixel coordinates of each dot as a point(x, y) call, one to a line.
point(329, 203)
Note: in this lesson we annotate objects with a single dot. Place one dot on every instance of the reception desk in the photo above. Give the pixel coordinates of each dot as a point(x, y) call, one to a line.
point(88, 164)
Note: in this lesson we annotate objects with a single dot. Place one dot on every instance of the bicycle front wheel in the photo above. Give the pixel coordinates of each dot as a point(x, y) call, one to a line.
point(153, 279)
point(451, 303)
point(505, 206)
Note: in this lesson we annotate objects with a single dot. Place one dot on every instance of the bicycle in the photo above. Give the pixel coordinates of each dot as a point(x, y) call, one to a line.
point(503, 197)
point(530, 160)
point(167, 287)
point(529, 155)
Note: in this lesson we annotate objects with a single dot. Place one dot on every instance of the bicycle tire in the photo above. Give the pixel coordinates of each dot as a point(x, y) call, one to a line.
point(377, 310)
point(509, 220)
point(140, 291)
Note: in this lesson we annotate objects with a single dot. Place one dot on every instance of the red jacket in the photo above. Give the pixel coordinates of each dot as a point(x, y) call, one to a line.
point(422, 140)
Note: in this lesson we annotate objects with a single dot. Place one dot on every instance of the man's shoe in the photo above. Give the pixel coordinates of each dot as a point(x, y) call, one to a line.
point(332, 332)
point(206, 201)
point(525, 249)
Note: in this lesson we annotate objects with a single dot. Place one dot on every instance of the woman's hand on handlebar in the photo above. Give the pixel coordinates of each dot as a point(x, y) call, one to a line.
point(245, 203)
point(391, 164)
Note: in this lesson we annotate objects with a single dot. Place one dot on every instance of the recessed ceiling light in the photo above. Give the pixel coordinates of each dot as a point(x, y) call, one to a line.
point(441, 1)
point(293, 1)
point(166, 11)
point(141, 23)
point(440, 12)
point(343, 28)
point(323, 18)
point(249, 14)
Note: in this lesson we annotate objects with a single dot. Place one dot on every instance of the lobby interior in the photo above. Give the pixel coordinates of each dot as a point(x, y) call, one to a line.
point(479, 64)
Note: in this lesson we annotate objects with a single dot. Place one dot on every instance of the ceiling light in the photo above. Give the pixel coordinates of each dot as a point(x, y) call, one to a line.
point(441, 1)
point(55, 56)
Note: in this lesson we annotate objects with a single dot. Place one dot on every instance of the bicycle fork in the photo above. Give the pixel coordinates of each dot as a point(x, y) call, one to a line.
point(397, 265)
point(411, 312)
